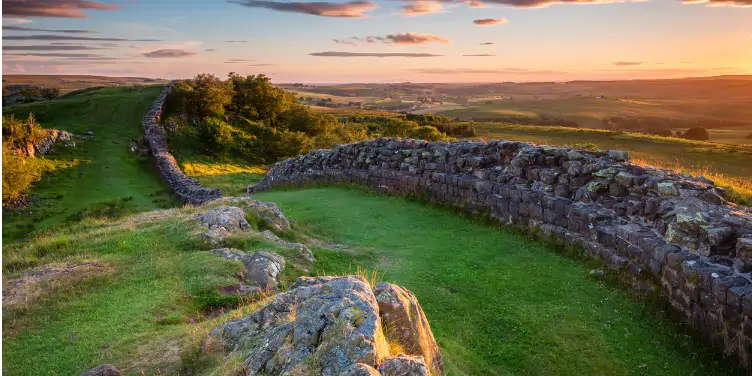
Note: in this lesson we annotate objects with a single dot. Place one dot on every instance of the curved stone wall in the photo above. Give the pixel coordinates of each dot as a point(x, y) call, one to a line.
point(188, 189)
point(671, 234)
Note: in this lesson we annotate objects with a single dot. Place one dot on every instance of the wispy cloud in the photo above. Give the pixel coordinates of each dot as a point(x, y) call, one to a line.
point(169, 53)
point(54, 54)
point(210, 50)
point(628, 63)
point(721, 3)
point(490, 21)
point(479, 55)
point(371, 54)
point(50, 48)
point(402, 38)
point(236, 41)
point(421, 8)
point(67, 31)
point(77, 38)
point(237, 61)
point(352, 9)
point(510, 71)
point(260, 65)
point(52, 8)
point(487, 44)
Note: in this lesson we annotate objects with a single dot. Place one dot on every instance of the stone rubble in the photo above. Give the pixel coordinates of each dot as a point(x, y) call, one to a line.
point(669, 233)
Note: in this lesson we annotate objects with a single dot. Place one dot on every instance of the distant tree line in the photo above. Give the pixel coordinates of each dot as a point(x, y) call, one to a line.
point(530, 120)
point(249, 118)
point(27, 93)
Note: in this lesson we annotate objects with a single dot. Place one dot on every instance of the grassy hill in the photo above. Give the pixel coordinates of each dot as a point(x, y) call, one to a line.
point(100, 173)
point(68, 83)
point(140, 292)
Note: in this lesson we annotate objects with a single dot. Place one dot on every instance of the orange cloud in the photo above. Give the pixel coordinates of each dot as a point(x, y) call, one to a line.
point(421, 8)
point(628, 63)
point(51, 8)
point(169, 53)
point(720, 3)
point(371, 54)
point(402, 38)
point(490, 21)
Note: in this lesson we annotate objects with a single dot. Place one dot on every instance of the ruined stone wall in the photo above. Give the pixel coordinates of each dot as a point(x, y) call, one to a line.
point(670, 234)
point(187, 188)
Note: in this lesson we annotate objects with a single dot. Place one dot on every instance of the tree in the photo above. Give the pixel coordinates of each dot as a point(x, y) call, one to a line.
point(255, 98)
point(204, 96)
point(696, 133)
point(428, 133)
point(18, 175)
point(30, 91)
point(216, 135)
point(50, 92)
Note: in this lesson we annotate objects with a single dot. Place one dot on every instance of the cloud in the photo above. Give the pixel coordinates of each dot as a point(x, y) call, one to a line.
point(627, 63)
point(402, 39)
point(50, 48)
point(210, 50)
point(237, 61)
point(371, 54)
point(421, 8)
point(236, 41)
point(54, 54)
point(487, 44)
point(169, 53)
point(490, 21)
point(67, 31)
point(18, 21)
point(352, 9)
point(260, 65)
point(480, 55)
point(452, 71)
point(721, 3)
point(68, 37)
point(52, 8)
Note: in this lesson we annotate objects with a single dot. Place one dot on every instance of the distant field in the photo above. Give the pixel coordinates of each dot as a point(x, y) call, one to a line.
point(71, 83)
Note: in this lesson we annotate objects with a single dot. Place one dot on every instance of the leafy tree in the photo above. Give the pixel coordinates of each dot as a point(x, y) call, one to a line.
point(204, 96)
point(50, 92)
point(428, 133)
point(696, 133)
point(395, 127)
point(18, 174)
point(255, 98)
point(303, 119)
point(216, 135)
point(20, 134)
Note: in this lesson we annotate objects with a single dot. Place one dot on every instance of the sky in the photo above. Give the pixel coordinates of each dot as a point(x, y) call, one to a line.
point(380, 41)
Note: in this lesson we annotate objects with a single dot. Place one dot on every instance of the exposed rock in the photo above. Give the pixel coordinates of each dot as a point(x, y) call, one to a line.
point(404, 365)
point(406, 324)
point(666, 188)
point(103, 370)
point(360, 369)
point(228, 217)
point(216, 234)
point(269, 214)
point(262, 268)
point(303, 251)
point(322, 326)
point(744, 248)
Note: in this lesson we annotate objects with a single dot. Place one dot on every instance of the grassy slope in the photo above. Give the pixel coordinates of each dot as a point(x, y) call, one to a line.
point(99, 169)
point(728, 165)
point(68, 83)
point(497, 302)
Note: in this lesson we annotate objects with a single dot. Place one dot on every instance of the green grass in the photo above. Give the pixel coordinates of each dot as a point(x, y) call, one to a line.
point(727, 165)
point(498, 303)
point(100, 170)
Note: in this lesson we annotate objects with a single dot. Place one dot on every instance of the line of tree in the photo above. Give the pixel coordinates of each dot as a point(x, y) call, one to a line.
point(249, 118)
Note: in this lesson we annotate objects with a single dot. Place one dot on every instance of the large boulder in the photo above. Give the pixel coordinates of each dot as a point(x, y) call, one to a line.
point(406, 324)
point(321, 326)
point(262, 268)
point(269, 214)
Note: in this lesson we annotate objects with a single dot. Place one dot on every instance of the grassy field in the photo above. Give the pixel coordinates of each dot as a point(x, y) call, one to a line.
point(100, 173)
point(68, 83)
point(498, 303)
point(727, 165)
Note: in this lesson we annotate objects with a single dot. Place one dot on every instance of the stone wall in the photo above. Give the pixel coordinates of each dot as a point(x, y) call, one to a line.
point(671, 235)
point(188, 189)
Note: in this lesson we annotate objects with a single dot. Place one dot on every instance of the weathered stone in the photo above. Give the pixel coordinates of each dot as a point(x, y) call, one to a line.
point(406, 324)
point(404, 365)
point(744, 248)
point(103, 370)
point(228, 217)
point(261, 268)
point(666, 188)
point(360, 369)
point(618, 155)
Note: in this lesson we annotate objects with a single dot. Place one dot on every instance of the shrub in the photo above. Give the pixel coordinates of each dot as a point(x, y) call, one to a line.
point(428, 133)
point(50, 92)
point(18, 135)
point(216, 135)
point(696, 133)
point(19, 173)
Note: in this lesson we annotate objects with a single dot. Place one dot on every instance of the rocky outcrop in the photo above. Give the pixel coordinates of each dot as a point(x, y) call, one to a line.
point(188, 189)
point(668, 233)
point(321, 326)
